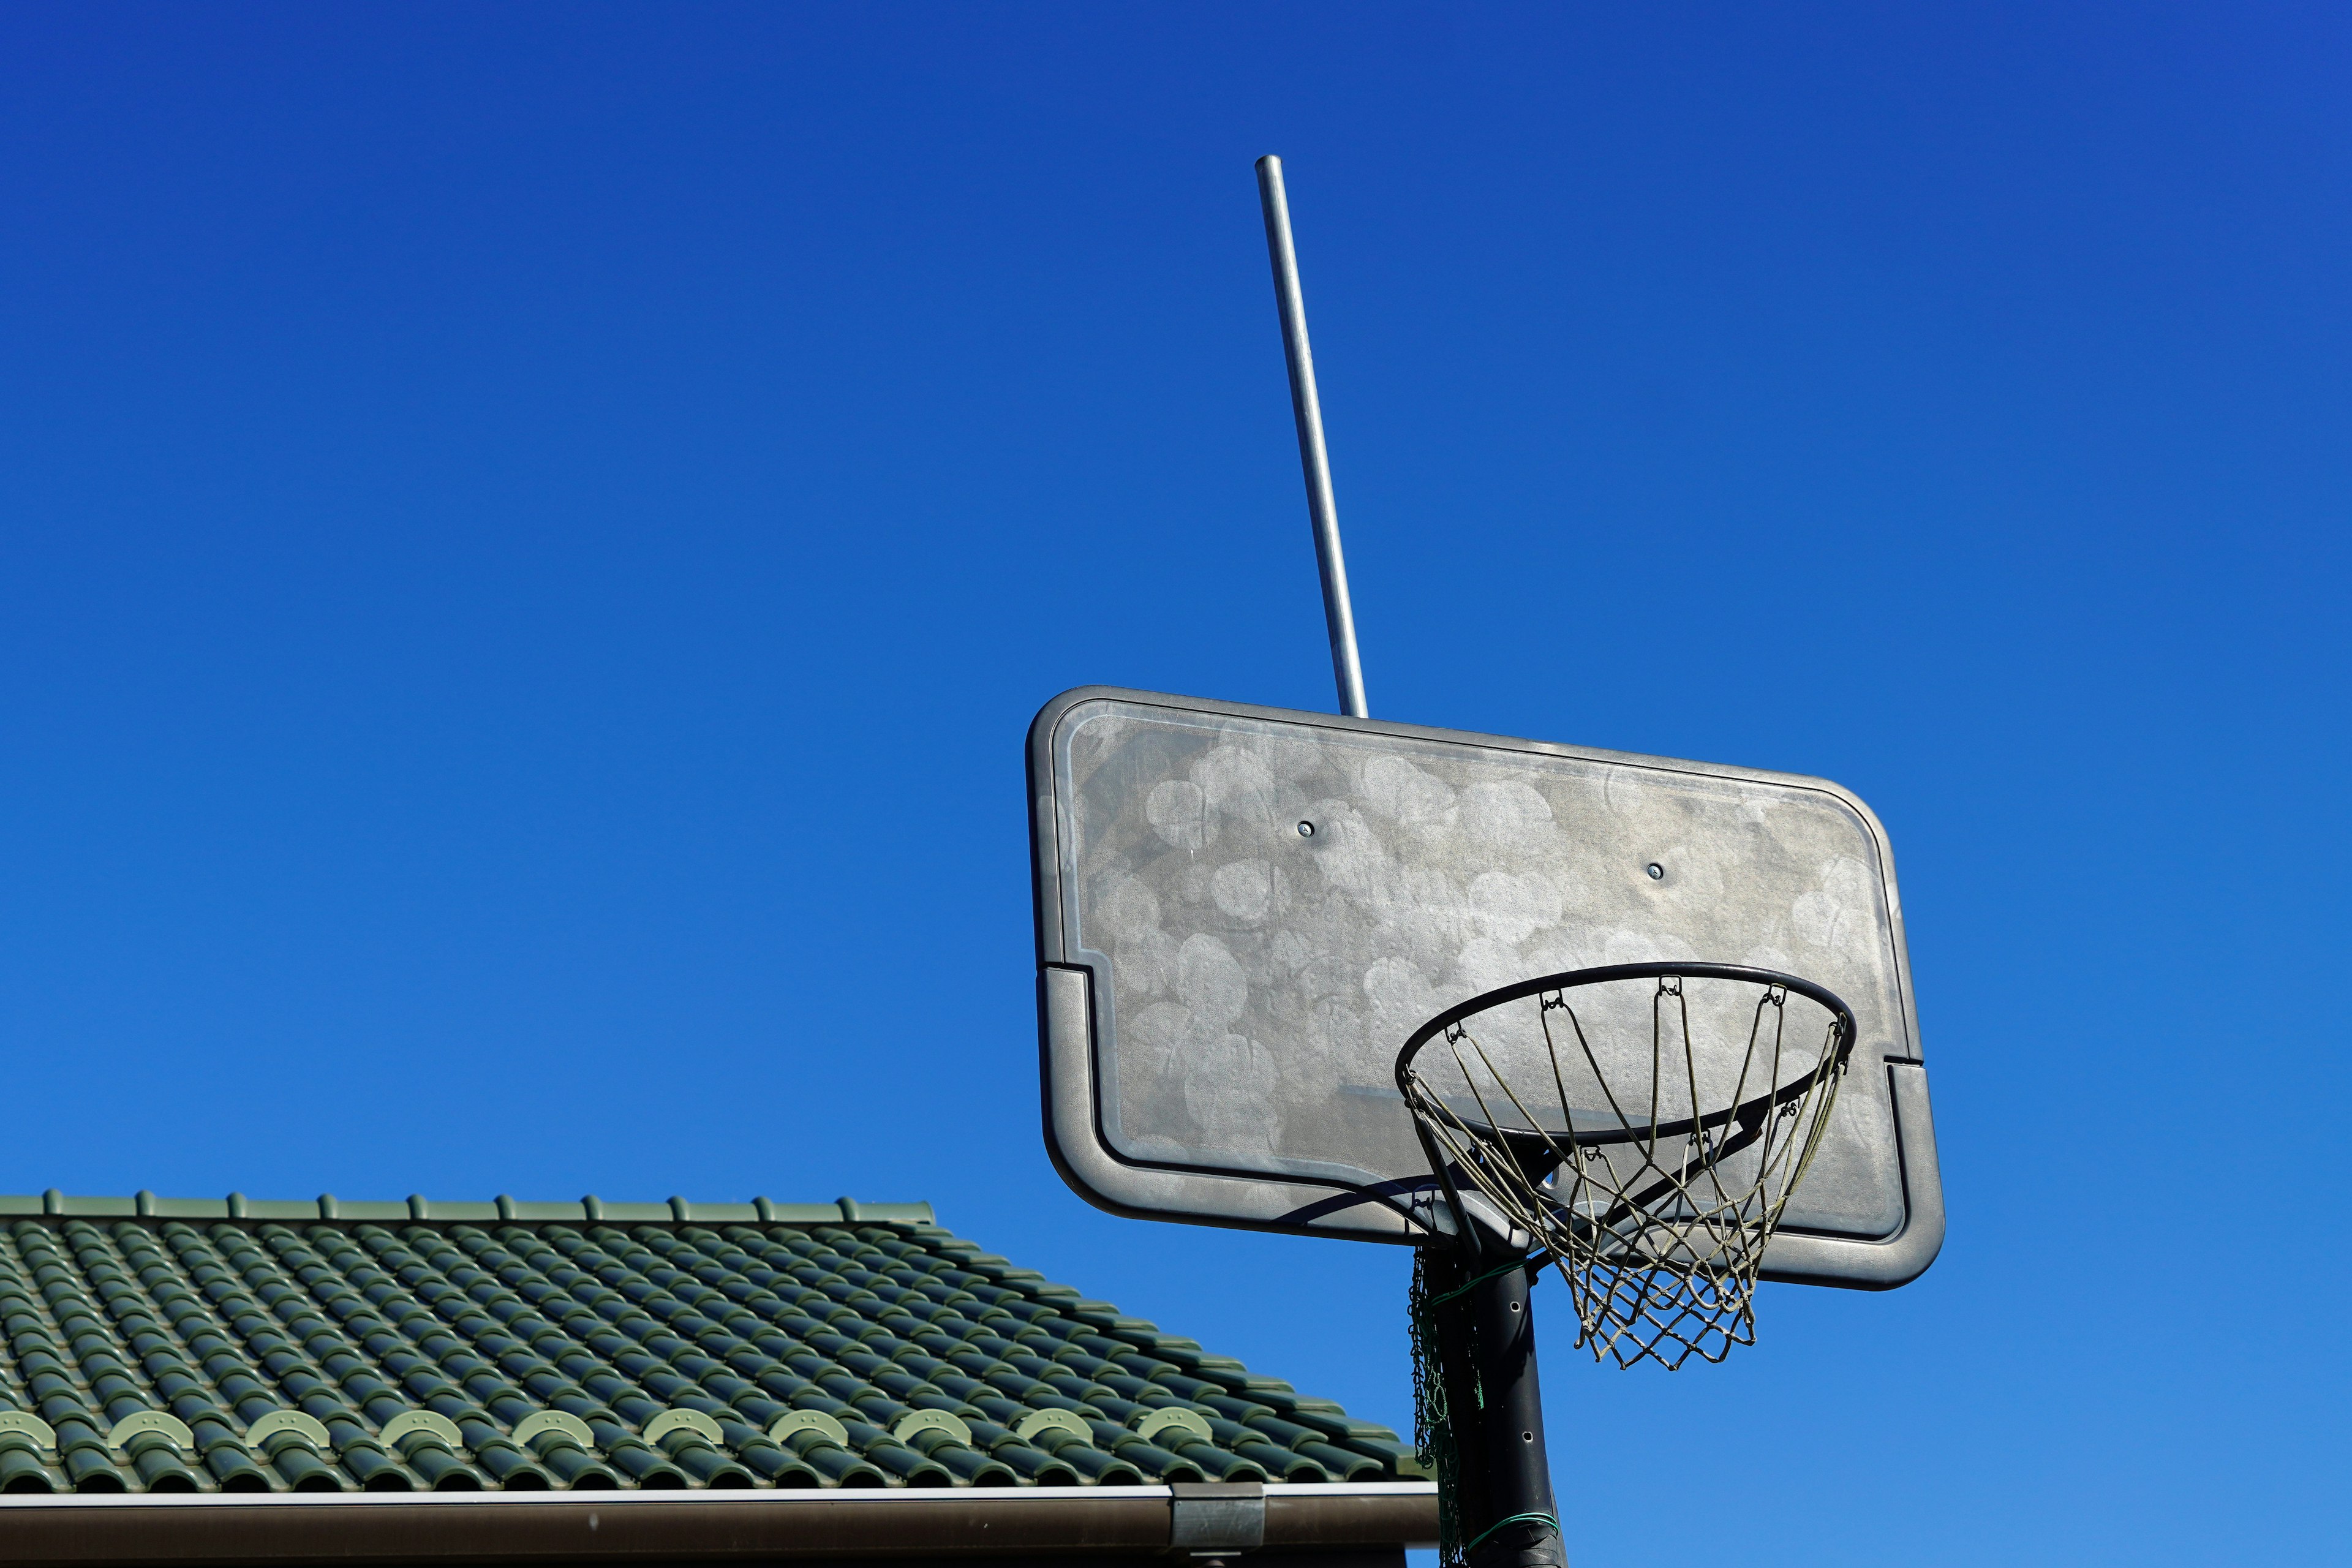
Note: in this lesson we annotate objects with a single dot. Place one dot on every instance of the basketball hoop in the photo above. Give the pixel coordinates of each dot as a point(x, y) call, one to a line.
point(1236, 905)
point(1644, 1154)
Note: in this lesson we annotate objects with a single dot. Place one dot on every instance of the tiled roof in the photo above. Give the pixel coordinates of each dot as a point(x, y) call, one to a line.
point(178, 1345)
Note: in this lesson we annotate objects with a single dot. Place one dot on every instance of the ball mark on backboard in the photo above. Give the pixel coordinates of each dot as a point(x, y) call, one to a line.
point(1244, 890)
point(1178, 812)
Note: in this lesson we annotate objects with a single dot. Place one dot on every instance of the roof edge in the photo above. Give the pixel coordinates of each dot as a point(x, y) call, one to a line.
point(588, 1210)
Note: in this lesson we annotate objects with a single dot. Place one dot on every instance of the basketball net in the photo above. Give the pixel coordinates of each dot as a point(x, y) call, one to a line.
point(1657, 1211)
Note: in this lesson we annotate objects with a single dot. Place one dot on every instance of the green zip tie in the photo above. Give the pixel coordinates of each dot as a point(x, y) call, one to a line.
point(1437, 1301)
point(1514, 1519)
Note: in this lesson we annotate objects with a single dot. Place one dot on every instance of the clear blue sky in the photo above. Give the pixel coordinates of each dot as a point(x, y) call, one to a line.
point(530, 538)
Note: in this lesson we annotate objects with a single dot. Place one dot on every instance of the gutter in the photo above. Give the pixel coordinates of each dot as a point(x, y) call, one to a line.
point(1194, 1522)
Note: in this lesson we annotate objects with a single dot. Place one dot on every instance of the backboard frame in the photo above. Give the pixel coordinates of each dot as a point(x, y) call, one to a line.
point(1072, 983)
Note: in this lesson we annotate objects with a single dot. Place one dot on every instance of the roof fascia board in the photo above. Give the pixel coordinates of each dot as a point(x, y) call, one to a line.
point(710, 1526)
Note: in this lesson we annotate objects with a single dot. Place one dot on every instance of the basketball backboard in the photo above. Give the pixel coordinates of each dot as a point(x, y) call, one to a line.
point(1243, 912)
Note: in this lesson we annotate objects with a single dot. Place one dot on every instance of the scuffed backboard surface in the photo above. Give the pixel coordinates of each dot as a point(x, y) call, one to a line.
point(1253, 982)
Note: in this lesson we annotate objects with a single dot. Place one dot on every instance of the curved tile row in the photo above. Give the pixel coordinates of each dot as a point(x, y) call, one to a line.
point(265, 1356)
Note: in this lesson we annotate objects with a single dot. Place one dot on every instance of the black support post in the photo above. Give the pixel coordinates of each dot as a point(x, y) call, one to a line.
point(1508, 1422)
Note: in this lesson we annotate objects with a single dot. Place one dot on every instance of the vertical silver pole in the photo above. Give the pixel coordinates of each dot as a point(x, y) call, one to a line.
point(1338, 617)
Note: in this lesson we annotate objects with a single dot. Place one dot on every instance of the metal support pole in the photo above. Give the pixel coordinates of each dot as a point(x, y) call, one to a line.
point(1338, 617)
point(1510, 1427)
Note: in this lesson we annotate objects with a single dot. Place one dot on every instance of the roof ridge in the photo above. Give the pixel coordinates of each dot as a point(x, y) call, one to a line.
point(589, 1209)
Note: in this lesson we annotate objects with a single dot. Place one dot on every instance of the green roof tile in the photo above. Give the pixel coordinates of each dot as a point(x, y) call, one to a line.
point(178, 1344)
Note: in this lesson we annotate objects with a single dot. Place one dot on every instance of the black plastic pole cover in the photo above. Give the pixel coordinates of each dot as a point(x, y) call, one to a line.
point(1521, 1527)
